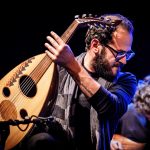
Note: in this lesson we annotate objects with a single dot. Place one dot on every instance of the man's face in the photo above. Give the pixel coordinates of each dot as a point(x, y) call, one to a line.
point(106, 64)
point(102, 66)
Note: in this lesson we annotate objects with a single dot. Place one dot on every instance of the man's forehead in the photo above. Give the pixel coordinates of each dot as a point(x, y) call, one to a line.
point(122, 39)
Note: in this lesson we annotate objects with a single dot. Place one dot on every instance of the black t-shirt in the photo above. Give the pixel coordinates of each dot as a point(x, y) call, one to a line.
point(82, 120)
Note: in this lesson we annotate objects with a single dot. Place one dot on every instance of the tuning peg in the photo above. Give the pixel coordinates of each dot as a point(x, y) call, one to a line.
point(90, 15)
point(101, 18)
point(108, 20)
point(95, 16)
point(76, 16)
point(96, 25)
point(84, 16)
point(88, 25)
point(102, 26)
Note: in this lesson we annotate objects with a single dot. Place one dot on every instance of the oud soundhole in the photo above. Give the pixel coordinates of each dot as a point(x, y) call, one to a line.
point(6, 91)
point(28, 86)
point(23, 113)
point(8, 110)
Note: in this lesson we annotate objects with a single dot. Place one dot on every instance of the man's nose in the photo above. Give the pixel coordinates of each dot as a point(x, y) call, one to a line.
point(123, 60)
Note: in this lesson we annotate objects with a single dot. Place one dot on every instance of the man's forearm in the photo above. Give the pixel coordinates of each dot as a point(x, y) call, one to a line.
point(86, 83)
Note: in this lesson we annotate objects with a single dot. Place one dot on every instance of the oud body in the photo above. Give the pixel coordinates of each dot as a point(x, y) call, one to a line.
point(26, 91)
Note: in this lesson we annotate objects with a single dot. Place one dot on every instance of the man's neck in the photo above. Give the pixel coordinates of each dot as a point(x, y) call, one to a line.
point(87, 62)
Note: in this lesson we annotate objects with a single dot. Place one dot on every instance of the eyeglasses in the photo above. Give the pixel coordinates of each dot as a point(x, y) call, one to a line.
point(121, 53)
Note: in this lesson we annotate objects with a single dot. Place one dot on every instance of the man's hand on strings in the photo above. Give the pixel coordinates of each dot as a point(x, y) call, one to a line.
point(58, 50)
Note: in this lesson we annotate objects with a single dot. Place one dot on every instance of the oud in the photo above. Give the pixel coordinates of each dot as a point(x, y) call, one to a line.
point(32, 86)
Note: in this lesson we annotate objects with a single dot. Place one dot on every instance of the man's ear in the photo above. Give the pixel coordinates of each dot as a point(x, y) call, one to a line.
point(95, 45)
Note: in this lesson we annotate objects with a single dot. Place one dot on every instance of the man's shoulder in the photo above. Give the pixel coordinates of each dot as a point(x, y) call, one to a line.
point(128, 81)
point(127, 76)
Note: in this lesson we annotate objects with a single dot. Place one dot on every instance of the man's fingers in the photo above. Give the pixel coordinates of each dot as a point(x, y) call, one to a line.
point(57, 38)
point(51, 49)
point(52, 41)
point(53, 57)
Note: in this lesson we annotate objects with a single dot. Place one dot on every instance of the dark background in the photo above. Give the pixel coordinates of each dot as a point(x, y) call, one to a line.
point(24, 27)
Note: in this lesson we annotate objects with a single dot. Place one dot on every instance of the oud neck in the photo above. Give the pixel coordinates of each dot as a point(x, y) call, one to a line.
point(46, 62)
point(69, 32)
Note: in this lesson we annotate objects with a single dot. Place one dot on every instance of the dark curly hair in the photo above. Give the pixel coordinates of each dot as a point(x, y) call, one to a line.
point(103, 31)
point(142, 96)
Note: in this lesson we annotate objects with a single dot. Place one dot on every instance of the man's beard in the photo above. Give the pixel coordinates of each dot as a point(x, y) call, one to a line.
point(103, 68)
